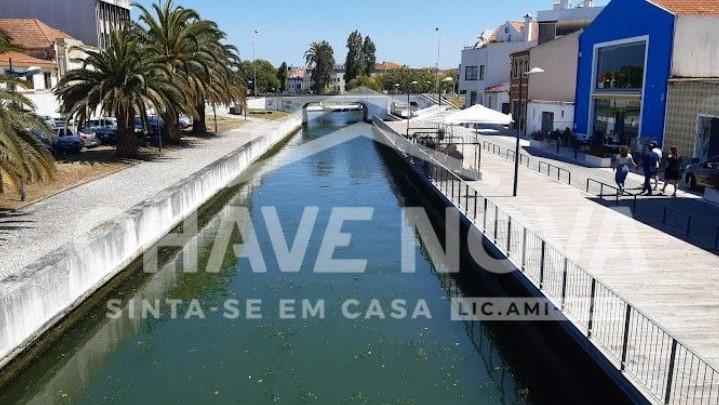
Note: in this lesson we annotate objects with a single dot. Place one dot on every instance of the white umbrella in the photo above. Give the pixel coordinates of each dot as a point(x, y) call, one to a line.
point(478, 114)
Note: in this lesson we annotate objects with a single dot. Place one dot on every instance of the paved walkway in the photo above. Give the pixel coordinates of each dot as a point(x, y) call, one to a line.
point(688, 216)
point(669, 280)
point(31, 233)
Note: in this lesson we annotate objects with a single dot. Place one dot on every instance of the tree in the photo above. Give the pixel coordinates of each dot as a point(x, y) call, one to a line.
point(267, 75)
point(370, 56)
point(282, 76)
point(355, 60)
point(176, 35)
point(364, 81)
point(320, 58)
point(120, 81)
point(425, 80)
point(23, 158)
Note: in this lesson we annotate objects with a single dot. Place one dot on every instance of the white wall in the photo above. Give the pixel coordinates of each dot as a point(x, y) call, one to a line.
point(563, 116)
point(696, 47)
point(45, 102)
point(38, 296)
point(473, 57)
point(499, 66)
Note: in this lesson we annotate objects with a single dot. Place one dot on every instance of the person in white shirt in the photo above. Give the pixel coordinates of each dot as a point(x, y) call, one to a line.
point(658, 152)
point(621, 166)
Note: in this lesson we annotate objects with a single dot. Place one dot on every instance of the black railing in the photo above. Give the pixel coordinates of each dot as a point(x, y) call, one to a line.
point(616, 194)
point(559, 171)
point(691, 223)
point(667, 369)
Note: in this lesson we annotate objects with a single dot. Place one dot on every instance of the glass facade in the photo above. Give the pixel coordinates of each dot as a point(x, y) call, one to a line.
point(617, 119)
point(621, 67)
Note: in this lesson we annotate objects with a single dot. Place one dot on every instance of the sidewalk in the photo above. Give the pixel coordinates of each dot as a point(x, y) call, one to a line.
point(688, 216)
point(28, 234)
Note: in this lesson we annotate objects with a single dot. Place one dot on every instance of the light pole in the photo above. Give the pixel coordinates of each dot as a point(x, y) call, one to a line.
point(449, 80)
point(436, 76)
point(409, 107)
point(396, 91)
point(534, 71)
point(254, 62)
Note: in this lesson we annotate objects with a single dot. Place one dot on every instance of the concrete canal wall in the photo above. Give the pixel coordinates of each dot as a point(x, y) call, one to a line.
point(39, 296)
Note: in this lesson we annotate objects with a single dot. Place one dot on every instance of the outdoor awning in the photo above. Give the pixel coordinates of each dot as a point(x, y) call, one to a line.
point(478, 114)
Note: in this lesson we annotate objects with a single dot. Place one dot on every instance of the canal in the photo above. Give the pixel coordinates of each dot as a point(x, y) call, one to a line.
point(203, 352)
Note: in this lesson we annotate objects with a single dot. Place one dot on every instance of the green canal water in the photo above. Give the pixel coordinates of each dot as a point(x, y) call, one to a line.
point(213, 359)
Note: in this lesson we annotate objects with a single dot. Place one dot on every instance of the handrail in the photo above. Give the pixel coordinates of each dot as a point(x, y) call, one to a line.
point(559, 170)
point(617, 194)
point(661, 364)
point(690, 221)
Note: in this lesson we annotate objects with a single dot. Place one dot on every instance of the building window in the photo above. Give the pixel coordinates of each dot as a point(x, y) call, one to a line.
point(481, 72)
point(621, 67)
point(617, 119)
point(470, 73)
point(48, 80)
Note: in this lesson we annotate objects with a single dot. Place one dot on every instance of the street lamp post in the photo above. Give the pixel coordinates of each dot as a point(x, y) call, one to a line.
point(409, 107)
point(436, 76)
point(254, 62)
point(534, 71)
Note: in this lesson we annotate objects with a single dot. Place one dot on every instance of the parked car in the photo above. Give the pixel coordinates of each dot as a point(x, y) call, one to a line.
point(184, 121)
point(67, 141)
point(699, 175)
point(42, 137)
point(88, 135)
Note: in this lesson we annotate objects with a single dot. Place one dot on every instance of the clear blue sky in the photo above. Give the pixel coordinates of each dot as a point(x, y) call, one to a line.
point(403, 30)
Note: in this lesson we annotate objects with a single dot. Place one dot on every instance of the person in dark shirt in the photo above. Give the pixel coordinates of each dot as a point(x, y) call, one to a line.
point(650, 162)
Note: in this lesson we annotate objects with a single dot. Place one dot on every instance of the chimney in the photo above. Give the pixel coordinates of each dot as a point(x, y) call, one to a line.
point(564, 4)
point(588, 3)
point(528, 27)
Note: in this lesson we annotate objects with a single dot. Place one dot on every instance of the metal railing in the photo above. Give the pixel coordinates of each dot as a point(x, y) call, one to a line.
point(559, 170)
point(692, 222)
point(492, 147)
point(616, 194)
point(663, 367)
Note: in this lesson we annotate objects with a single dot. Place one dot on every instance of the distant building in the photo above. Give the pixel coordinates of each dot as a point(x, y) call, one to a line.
point(637, 55)
point(89, 21)
point(551, 94)
point(385, 67)
point(296, 80)
point(485, 65)
point(337, 83)
point(518, 87)
point(47, 54)
point(498, 98)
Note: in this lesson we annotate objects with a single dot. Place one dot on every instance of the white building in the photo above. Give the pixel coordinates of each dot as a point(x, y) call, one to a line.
point(487, 63)
point(90, 21)
point(337, 81)
point(551, 94)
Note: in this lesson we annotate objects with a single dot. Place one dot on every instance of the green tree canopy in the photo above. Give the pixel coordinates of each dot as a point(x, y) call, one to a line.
point(266, 75)
point(282, 72)
point(364, 81)
point(370, 58)
point(355, 60)
point(320, 58)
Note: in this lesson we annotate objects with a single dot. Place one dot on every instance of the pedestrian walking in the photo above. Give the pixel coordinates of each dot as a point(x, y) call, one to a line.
point(658, 152)
point(621, 166)
point(673, 171)
point(649, 164)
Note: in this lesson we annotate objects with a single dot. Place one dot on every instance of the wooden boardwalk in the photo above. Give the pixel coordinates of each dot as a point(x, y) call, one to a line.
point(673, 285)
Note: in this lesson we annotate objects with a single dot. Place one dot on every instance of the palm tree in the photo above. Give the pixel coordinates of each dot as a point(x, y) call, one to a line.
point(23, 158)
point(122, 81)
point(320, 57)
point(191, 49)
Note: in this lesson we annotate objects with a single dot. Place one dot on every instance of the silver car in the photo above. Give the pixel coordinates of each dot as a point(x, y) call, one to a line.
point(699, 175)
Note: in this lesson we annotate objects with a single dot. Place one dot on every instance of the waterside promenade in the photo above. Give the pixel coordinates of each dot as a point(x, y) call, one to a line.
point(654, 301)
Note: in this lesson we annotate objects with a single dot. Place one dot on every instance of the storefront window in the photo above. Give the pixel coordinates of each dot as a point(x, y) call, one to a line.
point(621, 67)
point(616, 120)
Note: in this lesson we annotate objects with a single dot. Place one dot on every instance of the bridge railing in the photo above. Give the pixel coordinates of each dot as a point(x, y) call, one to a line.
point(665, 369)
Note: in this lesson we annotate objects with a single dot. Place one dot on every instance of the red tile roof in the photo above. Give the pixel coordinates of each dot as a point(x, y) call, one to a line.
point(31, 33)
point(384, 66)
point(22, 60)
point(519, 26)
point(690, 7)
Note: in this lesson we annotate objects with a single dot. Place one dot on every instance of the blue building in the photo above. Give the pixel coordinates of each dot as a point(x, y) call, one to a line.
point(625, 60)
